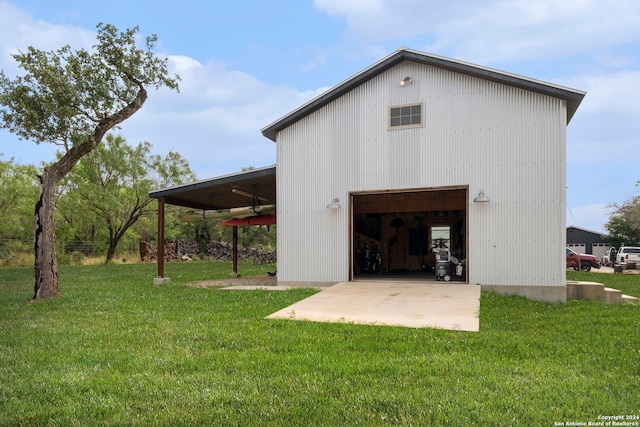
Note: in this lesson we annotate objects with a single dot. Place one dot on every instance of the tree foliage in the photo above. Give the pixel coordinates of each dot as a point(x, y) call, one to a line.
point(72, 98)
point(19, 192)
point(111, 184)
point(624, 223)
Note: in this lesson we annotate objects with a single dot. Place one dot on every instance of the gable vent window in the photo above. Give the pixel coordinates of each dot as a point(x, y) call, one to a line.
point(405, 116)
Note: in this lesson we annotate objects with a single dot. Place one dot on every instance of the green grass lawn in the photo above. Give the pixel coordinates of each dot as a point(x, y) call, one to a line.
point(118, 350)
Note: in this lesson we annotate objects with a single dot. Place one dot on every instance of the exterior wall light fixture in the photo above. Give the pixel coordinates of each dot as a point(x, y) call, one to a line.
point(406, 80)
point(335, 204)
point(480, 198)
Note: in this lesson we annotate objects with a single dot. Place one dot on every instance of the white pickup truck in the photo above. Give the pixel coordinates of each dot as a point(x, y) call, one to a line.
point(628, 254)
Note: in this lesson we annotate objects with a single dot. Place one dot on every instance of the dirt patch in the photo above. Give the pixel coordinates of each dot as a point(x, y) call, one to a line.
point(240, 281)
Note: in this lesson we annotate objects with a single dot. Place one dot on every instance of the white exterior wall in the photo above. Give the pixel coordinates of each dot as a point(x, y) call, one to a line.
point(506, 141)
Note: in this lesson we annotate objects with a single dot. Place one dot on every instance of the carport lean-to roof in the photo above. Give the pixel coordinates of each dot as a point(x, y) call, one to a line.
point(248, 188)
point(224, 192)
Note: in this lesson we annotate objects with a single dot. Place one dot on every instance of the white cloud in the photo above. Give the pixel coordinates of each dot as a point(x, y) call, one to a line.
point(592, 217)
point(20, 30)
point(606, 126)
point(492, 30)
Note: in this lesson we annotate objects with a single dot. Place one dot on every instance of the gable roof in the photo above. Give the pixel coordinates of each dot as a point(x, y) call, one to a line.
point(573, 97)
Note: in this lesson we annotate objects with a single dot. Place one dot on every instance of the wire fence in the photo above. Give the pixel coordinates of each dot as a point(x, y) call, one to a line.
point(20, 253)
point(14, 252)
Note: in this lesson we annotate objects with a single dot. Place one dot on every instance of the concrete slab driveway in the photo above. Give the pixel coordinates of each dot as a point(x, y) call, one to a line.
point(411, 304)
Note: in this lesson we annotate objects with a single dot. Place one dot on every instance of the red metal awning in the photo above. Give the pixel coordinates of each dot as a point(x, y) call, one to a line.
point(253, 220)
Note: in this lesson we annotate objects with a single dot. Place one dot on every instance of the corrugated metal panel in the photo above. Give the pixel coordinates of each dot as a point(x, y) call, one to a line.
point(503, 140)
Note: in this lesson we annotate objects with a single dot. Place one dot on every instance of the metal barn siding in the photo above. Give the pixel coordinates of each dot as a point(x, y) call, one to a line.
point(506, 141)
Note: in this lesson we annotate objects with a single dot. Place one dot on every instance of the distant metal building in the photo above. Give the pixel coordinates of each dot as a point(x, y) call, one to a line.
point(419, 149)
point(587, 241)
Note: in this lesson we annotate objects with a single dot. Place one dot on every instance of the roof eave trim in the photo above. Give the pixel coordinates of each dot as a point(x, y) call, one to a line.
point(252, 173)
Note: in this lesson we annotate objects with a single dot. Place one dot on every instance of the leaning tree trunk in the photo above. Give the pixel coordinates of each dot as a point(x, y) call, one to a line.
point(46, 264)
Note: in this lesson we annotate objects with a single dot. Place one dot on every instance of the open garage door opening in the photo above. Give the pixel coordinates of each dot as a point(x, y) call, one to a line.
point(413, 234)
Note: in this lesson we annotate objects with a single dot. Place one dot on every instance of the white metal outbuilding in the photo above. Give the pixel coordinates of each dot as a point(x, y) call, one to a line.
point(403, 148)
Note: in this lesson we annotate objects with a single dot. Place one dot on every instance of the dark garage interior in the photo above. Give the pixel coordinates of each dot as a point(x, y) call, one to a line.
point(407, 234)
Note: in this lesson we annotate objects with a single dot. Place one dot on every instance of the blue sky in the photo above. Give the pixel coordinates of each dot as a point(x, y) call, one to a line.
point(246, 63)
